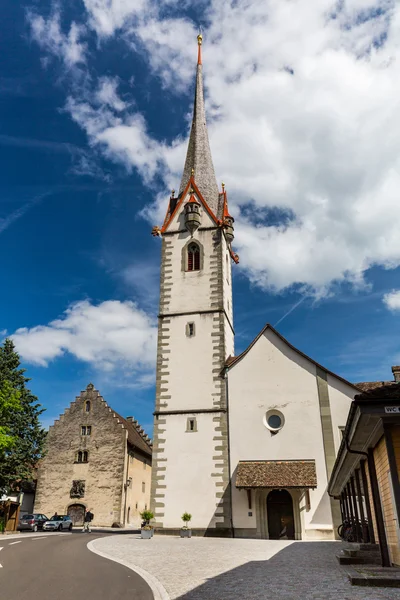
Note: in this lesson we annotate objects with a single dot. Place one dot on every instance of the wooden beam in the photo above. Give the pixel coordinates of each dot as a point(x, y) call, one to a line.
point(367, 502)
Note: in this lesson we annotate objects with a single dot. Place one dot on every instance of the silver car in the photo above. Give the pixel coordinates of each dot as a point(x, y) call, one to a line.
point(31, 522)
point(58, 523)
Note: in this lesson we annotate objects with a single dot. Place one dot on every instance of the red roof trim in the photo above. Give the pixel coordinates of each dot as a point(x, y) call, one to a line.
point(231, 362)
point(178, 204)
point(192, 183)
point(225, 213)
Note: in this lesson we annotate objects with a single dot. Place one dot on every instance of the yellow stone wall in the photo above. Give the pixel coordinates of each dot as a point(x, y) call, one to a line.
point(139, 469)
point(384, 478)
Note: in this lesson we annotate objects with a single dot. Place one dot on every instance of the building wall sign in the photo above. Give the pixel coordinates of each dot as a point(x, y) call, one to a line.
point(392, 409)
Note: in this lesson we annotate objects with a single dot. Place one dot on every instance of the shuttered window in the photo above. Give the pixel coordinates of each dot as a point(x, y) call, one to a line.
point(193, 258)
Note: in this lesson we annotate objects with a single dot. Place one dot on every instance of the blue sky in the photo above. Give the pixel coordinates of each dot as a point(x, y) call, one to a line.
point(303, 119)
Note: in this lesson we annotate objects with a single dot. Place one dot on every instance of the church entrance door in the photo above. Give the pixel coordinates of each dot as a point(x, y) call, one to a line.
point(77, 514)
point(280, 515)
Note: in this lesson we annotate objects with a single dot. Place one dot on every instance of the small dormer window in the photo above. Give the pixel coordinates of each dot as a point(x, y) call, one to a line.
point(193, 258)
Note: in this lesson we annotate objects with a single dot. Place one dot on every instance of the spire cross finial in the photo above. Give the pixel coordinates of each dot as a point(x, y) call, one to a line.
point(223, 187)
point(199, 42)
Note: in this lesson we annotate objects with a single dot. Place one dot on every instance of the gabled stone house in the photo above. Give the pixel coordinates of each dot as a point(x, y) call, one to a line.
point(96, 460)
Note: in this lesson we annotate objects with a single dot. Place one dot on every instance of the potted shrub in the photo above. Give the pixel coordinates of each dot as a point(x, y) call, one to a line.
point(185, 530)
point(146, 530)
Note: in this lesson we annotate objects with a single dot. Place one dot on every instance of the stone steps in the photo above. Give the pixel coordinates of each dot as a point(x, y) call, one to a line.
point(374, 576)
point(367, 558)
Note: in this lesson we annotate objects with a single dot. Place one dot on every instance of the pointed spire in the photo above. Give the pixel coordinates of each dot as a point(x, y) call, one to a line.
point(199, 42)
point(198, 162)
point(225, 210)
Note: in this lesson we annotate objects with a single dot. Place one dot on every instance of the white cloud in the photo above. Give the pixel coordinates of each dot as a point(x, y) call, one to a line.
point(50, 37)
point(303, 122)
point(392, 300)
point(111, 335)
point(107, 94)
point(107, 16)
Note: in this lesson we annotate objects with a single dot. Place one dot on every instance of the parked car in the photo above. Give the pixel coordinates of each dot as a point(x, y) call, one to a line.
point(31, 522)
point(58, 523)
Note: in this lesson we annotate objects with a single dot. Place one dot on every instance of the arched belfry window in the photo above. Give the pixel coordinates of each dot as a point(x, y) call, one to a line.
point(193, 257)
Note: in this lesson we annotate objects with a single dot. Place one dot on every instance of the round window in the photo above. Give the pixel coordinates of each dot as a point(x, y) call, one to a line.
point(274, 420)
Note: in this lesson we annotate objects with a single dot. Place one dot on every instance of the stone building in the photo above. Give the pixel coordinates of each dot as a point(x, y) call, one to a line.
point(245, 444)
point(96, 460)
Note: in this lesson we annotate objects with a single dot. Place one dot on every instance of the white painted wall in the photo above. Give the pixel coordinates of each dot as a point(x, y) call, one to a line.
point(190, 382)
point(340, 396)
point(273, 376)
point(189, 484)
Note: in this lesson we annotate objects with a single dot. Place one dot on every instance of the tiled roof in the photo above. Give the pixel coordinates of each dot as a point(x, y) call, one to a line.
point(371, 385)
point(276, 474)
point(383, 392)
point(134, 437)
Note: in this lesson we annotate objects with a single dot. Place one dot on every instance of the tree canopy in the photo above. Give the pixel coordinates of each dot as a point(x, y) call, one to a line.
point(21, 434)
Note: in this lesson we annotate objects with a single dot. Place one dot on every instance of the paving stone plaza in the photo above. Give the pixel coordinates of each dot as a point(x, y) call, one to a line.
point(239, 569)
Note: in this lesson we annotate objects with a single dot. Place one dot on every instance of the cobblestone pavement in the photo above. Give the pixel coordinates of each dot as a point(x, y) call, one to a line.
point(226, 569)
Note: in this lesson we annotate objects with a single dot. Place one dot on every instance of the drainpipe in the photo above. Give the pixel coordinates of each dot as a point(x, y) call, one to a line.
point(229, 448)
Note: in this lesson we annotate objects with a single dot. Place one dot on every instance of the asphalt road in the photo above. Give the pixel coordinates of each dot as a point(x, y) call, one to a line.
point(60, 567)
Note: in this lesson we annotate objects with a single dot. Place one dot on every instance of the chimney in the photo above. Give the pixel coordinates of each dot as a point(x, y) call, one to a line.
point(129, 419)
point(396, 373)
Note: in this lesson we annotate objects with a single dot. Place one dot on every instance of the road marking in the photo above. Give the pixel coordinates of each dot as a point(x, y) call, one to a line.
point(12, 543)
point(1, 566)
point(2, 548)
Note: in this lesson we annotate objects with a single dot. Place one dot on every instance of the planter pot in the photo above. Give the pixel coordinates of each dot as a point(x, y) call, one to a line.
point(186, 533)
point(146, 534)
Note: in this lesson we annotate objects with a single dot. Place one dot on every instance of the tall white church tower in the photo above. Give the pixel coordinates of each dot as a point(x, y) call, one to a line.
point(195, 337)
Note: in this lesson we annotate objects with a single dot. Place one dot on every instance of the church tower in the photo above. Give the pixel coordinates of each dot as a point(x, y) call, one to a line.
point(195, 337)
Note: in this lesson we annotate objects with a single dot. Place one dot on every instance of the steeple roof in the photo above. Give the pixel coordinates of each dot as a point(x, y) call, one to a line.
point(198, 158)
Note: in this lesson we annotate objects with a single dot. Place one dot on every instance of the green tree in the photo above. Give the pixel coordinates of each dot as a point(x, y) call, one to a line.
point(9, 406)
point(21, 435)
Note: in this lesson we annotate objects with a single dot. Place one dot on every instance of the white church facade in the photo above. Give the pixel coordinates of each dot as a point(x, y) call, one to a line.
point(245, 444)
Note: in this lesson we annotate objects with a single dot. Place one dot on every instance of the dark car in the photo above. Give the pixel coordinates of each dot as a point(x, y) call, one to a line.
point(31, 522)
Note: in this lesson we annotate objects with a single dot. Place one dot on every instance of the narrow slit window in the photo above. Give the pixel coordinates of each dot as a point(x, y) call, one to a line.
point(191, 425)
point(193, 258)
point(190, 329)
point(79, 457)
point(87, 406)
point(85, 456)
point(143, 487)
